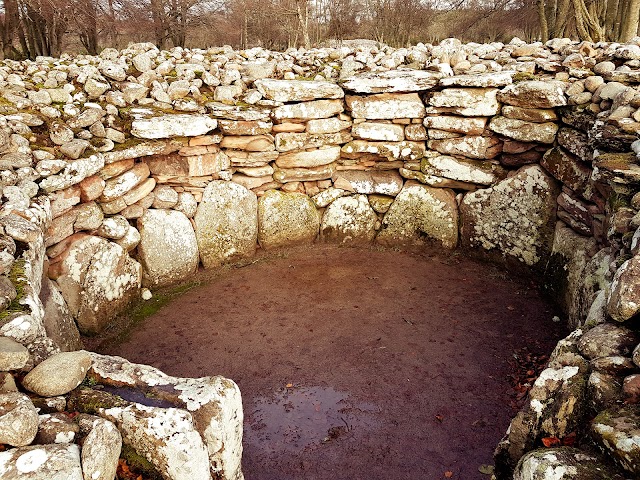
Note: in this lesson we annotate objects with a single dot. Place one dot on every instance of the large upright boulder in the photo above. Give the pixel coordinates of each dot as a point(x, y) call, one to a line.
point(226, 223)
point(349, 220)
point(286, 219)
point(97, 279)
point(421, 213)
point(168, 250)
point(515, 217)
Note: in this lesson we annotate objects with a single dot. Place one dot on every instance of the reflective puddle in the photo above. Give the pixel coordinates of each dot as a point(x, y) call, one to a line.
point(301, 418)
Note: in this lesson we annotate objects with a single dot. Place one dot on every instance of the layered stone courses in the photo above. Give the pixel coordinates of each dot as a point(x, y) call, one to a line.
point(143, 181)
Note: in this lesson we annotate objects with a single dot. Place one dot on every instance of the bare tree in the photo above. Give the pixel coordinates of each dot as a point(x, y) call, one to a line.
point(592, 20)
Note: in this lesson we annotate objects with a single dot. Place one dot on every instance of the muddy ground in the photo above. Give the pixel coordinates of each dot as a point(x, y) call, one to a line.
point(355, 363)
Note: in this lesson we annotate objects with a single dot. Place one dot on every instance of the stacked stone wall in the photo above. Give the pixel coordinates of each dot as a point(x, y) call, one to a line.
point(127, 171)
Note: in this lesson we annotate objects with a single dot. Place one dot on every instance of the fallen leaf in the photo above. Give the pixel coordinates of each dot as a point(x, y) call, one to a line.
point(550, 441)
point(289, 385)
point(569, 440)
point(486, 469)
point(448, 474)
point(439, 417)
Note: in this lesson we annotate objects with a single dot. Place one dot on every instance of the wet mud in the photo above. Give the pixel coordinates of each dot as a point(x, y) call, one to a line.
point(356, 363)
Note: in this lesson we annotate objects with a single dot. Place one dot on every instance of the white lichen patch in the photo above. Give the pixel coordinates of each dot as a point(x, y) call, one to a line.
point(31, 461)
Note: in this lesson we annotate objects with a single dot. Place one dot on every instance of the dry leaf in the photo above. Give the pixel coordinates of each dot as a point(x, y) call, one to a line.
point(550, 441)
point(448, 474)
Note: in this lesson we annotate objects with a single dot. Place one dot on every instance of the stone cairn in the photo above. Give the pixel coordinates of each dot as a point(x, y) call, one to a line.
point(124, 172)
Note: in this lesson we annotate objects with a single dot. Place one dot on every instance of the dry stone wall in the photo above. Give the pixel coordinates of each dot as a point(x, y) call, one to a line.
point(127, 171)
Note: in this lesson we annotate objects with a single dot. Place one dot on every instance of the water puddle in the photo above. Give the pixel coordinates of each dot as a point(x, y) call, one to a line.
point(302, 418)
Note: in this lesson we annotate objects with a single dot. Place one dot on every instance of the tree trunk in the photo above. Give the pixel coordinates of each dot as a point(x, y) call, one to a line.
point(159, 23)
point(303, 21)
point(542, 18)
point(610, 19)
point(629, 26)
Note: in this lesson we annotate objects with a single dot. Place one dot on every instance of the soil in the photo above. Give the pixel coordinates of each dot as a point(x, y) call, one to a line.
point(356, 363)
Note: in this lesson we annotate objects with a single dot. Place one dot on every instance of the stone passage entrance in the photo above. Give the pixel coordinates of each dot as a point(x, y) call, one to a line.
point(356, 363)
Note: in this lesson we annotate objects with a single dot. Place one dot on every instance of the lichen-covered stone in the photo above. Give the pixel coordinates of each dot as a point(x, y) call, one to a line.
point(386, 132)
point(469, 146)
point(97, 278)
point(40, 462)
point(100, 449)
point(451, 123)
point(468, 102)
point(567, 169)
point(371, 182)
point(516, 216)
point(617, 431)
point(210, 412)
point(571, 254)
point(524, 131)
point(226, 223)
point(386, 106)
point(555, 408)
point(624, 297)
point(309, 110)
point(420, 214)
point(606, 340)
point(391, 81)
point(349, 220)
point(173, 125)
point(13, 355)
point(297, 90)
point(168, 249)
point(460, 169)
point(74, 172)
point(18, 419)
point(563, 463)
point(286, 219)
point(386, 150)
point(534, 94)
point(309, 158)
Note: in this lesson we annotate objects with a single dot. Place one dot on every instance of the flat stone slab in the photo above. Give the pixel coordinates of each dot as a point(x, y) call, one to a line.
point(494, 79)
point(297, 90)
point(386, 106)
point(168, 126)
point(392, 81)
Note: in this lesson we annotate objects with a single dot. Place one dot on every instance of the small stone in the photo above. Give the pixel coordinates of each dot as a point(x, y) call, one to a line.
point(18, 420)
point(56, 428)
point(113, 227)
point(631, 389)
point(13, 355)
